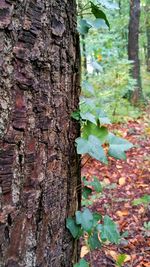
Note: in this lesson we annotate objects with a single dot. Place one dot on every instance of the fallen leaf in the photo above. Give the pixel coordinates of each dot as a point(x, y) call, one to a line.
point(113, 254)
point(84, 251)
point(141, 210)
point(122, 181)
point(106, 181)
point(122, 213)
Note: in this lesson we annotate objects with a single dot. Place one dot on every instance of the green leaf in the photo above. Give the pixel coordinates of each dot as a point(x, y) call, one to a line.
point(120, 259)
point(91, 129)
point(88, 117)
point(94, 241)
point(85, 218)
point(76, 115)
point(142, 200)
point(86, 191)
point(92, 146)
point(96, 218)
point(99, 14)
point(73, 227)
point(102, 117)
point(84, 26)
point(98, 23)
point(82, 263)
point(109, 231)
point(97, 185)
point(118, 146)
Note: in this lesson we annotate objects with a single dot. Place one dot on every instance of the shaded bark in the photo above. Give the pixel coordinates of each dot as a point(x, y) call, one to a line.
point(39, 167)
point(133, 49)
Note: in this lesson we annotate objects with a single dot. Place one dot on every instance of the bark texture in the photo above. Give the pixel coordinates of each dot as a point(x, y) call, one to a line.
point(39, 168)
point(133, 49)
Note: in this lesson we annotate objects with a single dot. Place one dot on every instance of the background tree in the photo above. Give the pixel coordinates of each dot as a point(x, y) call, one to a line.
point(147, 10)
point(133, 49)
point(39, 167)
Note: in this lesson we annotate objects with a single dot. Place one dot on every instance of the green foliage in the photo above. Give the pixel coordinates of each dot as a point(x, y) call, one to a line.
point(142, 200)
point(99, 14)
point(147, 226)
point(92, 146)
point(104, 91)
point(94, 136)
point(109, 231)
point(120, 260)
point(85, 219)
point(94, 233)
point(82, 263)
point(73, 227)
point(118, 146)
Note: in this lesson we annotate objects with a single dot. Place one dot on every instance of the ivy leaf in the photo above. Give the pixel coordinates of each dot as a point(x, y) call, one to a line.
point(102, 117)
point(74, 229)
point(76, 115)
point(97, 23)
point(118, 146)
point(89, 117)
point(84, 26)
point(97, 185)
point(82, 263)
point(86, 191)
point(92, 129)
point(99, 14)
point(94, 241)
point(109, 231)
point(92, 146)
point(85, 218)
point(96, 218)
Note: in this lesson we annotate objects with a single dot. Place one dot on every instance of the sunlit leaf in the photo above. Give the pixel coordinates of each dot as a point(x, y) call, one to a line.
point(91, 129)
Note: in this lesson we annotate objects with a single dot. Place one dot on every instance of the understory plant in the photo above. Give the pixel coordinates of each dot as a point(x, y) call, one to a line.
point(95, 141)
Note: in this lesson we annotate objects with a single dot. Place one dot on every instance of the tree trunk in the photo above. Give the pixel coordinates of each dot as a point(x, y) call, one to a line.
point(147, 10)
point(133, 49)
point(39, 167)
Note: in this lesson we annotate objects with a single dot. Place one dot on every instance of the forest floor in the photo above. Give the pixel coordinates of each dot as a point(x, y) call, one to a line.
point(130, 180)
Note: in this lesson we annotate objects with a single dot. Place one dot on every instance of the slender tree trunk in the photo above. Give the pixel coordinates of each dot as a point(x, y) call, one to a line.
point(133, 49)
point(83, 41)
point(39, 167)
point(147, 9)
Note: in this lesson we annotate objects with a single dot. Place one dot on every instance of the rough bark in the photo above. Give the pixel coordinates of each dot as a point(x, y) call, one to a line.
point(133, 49)
point(39, 167)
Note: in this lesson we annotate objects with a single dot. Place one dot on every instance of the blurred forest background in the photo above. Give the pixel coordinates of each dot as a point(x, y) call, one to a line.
point(110, 48)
